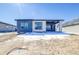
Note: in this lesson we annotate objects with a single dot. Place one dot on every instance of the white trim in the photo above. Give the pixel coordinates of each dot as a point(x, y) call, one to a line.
point(60, 26)
point(43, 26)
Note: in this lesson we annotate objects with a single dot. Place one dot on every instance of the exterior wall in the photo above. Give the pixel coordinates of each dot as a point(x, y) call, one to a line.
point(71, 29)
point(24, 30)
point(44, 26)
point(31, 26)
point(6, 28)
point(18, 26)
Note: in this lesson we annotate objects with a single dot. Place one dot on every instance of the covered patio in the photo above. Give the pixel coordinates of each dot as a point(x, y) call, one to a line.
point(53, 26)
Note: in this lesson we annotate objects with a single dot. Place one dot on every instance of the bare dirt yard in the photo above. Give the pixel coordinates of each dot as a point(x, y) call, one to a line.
point(41, 45)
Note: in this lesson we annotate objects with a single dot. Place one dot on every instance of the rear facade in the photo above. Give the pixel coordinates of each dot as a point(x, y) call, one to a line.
point(38, 25)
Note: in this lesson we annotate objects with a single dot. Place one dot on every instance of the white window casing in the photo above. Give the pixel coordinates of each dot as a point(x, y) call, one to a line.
point(40, 30)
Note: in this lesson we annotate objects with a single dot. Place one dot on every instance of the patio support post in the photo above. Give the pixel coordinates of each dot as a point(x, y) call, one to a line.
point(60, 26)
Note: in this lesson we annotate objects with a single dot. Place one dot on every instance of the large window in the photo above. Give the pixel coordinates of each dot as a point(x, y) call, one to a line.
point(38, 25)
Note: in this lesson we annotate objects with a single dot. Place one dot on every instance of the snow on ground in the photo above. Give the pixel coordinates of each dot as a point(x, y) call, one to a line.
point(7, 33)
point(3, 34)
point(46, 36)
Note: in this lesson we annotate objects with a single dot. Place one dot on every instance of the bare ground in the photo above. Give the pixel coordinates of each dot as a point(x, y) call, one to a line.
point(58, 45)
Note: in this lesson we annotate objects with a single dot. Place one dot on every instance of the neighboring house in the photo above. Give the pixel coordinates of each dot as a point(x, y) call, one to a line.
point(71, 26)
point(5, 27)
point(39, 25)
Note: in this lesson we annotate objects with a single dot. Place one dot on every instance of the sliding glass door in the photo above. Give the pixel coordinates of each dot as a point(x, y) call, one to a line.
point(50, 26)
point(26, 26)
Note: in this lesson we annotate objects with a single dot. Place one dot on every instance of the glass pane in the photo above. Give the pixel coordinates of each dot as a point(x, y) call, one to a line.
point(38, 25)
point(24, 25)
point(48, 27)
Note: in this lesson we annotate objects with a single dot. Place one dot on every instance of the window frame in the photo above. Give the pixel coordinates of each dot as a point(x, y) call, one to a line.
point(38, 25)
point(43, 26)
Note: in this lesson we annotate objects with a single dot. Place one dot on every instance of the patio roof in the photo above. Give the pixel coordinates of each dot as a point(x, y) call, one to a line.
point(39, 19)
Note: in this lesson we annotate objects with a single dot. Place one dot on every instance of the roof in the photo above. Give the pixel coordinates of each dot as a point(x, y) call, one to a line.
point(71, 23)
point(39, 19)
point(7, 24)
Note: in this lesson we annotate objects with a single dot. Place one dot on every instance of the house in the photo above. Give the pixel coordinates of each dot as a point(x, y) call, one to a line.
point(39, 25)
point(71, 26)
point(5, 27)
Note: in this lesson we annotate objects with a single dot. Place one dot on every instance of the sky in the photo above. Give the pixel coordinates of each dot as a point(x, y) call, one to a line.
point(11, 11)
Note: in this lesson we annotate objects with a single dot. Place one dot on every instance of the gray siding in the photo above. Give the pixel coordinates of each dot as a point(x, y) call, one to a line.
point(6, 27)
point(71, 29)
